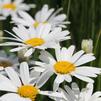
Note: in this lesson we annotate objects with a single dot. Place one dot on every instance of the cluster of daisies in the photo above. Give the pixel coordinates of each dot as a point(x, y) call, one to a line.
point(22, 80)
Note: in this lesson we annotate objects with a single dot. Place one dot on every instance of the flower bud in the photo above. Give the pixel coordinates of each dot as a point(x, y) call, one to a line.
point(87, 45)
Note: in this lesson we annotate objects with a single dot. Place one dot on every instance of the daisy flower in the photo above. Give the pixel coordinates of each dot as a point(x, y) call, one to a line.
point(66, 65)
point(7, 60)
point(40, 38)
point(74, 93)
point(43, 16)
point(7, 7)
point(20, 87)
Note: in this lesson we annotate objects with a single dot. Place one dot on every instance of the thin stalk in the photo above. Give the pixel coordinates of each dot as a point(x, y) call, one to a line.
point(96, 44)
point(93, 18)
point(68, 9)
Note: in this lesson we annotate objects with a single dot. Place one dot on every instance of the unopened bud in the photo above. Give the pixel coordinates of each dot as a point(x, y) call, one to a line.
point(87, 45)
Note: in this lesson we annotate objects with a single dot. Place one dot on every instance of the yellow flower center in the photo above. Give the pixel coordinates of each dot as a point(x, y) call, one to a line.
point(36, 23)
point(5, 63)
point(35, 42)
point(28, 91)
point(9, 6)
point(64, 67)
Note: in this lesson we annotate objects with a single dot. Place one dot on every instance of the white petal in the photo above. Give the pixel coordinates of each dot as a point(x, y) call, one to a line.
point(54, 14)
point(45, 31)
point(38, 69)
point(89, 91)
point(24, 73)
point(70, 92)
point(16, 49)
point(38, 63)
point(6, 85)
point(89, 69)
point(11, 44)
point(26, 16)
point(44, 77)
point(21, 32)
point(85, 59)
point(86, 72)
point(46, 57)
point(51, 94)
point(75, 88)
point(59, 79)
point(77, 55)
point(68, 78)
point(60, 17)
point(84, 78)
point(58, 53)
point(43, 12)
point(29, 52)
point(13, 97)
point(66, 54)
point(96, 96)
point(34, 74)
point(13, 76)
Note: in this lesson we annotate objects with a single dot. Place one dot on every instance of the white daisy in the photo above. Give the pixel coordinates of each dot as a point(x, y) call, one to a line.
point(7, 7)
point(41, 38)
point(45, 15)
point(8, 60)
point(21, 88)
point(74, 93)
point(66, 65)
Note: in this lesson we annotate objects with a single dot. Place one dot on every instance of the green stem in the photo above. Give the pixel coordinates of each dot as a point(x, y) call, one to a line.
point(93, 18)
point(96, 44)
point(0, 25)
point(68, 9)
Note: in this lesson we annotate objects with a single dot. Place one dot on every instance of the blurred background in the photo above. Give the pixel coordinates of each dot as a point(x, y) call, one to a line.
point(85, 18)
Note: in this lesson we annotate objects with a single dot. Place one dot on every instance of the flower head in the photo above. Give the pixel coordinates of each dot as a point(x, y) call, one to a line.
point(7, 7)
point(43, 16)
point(66, 65)
point(40, 38)
point(22, 86)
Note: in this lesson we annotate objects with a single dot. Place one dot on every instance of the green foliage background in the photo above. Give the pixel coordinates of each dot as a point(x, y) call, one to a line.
point(85, 18)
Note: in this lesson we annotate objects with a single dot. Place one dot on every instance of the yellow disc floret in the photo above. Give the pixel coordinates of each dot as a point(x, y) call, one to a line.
point(64, 67)
point(36, 24)
point(9, 6)
point(35, 42)
point(28, 91)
